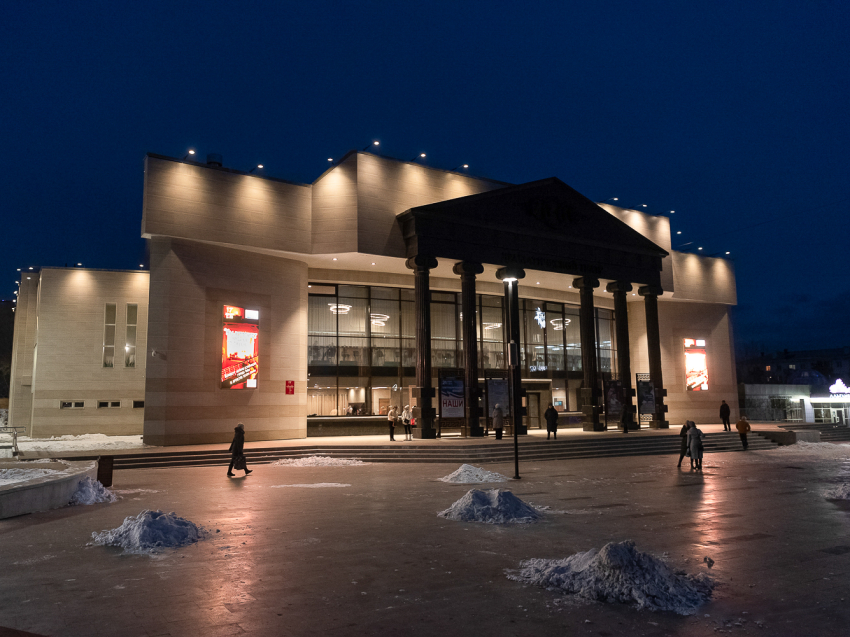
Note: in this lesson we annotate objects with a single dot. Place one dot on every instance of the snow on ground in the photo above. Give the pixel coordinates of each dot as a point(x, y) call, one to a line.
point(4, 417)
point(315, 485)
point(319, 461)
point(618, 572)
point(92, 492)
point(839, 492)
point(22, 474)
point(807, 451)
point(491, 506)
point(151, 531)
point(469, 474)
point(86, 442)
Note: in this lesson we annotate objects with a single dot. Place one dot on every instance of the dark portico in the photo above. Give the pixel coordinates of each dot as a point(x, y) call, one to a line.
point(545, 226)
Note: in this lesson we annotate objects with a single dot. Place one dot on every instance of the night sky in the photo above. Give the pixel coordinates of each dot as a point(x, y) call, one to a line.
point(735, 115)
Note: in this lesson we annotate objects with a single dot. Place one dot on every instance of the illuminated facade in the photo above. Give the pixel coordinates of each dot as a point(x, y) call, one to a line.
point(281, 305)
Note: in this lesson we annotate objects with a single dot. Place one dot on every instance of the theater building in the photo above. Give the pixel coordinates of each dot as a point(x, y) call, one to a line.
point(313, 308)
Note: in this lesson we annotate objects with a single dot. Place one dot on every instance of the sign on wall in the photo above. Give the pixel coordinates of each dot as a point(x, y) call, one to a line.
point(696, 365)
point(451, 397)
point(240, 348)
point(290, 387)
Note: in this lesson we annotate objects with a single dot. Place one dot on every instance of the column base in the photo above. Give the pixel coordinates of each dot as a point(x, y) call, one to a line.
point(422, 433)
point(593, 426)
point(475, 432)
point(659, 424)
point(522, 430)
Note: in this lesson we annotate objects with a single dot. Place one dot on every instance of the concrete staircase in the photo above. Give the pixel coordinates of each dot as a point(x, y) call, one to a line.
point(568, 449)
point(828, 433)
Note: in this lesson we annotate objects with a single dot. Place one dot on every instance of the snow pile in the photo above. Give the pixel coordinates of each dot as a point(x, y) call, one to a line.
point(32, 470)
point(86, 442)
point(468, 474)
point(4, 417)
point(92, 492)
point(150, 531)
point(840, 492)
point(319, 461)
point(619, 573)
point(492, 506)
point(315, 485)
point(811, 451)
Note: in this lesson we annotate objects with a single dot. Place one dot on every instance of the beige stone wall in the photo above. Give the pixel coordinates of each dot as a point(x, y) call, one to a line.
point(656, 229)
point(704, 279)
point(69, 358)
point(23, 352)
point(334, 220)
point(678, 321)
point(190, 284)
point(202, 203)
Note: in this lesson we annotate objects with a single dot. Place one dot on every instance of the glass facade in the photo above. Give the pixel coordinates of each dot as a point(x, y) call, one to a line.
point(362, 350)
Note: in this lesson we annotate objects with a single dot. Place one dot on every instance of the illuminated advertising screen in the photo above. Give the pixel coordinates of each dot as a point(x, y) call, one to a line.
point(696, 365)
point(240, 348)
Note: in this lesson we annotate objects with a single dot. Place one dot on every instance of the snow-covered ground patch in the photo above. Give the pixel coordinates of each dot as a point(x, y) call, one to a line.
point(319, 461)
point(151, 531)
point(86, 442)
point(469, 474)
point(314, 485)
point(491, 506)
point(4, 417)
point(839, 492)
point(812, 450)
point(618, 572)
point(34, 469)
point(92, 492)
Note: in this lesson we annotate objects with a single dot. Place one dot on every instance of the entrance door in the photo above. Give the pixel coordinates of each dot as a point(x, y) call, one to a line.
point(533, 410)
point(838, 417)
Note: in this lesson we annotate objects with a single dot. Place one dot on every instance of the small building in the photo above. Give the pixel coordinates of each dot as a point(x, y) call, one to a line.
point(382, 283)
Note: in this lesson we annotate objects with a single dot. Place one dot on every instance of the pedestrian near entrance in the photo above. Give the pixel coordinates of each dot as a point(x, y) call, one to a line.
point(626, 419)
point(683, 449)
point(405, 420)
point(237, 458)
point(724, 415)
point(498, 420)
point(551, 416)
point(743, 427)
point(392, 416)
point(695, 437)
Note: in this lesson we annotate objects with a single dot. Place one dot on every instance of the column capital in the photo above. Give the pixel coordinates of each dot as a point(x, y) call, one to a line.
point(467, 268)
point(650, 290)
point(583, 282)
point(421, 262)
point(510, 272)
point(619, 286)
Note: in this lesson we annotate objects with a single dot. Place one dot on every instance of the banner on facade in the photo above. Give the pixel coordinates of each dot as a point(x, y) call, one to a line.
point(646, 397)
point(240, 348)
point(451, 397)
point(614, 399)
point(498, 393)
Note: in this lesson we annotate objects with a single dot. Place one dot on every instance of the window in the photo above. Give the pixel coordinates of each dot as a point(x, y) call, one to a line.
point(71, 404)
point(108, 404)
point(767, 368)
point(130, 340)
point(109, 335)
point(138, 404)
point(791, 366)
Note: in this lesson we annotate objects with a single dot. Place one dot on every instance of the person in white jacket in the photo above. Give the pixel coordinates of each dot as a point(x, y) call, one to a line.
point(406, 416)
point(392, 416)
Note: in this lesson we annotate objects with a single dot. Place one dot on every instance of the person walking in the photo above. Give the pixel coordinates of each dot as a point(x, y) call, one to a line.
point(392, 416)
point(498, 420)
point(237, 458)
point(725, 412)
point(743, 427)
point(695, 437)
point(551, 416)
point(626, 419)
point(683, 449)
point(405, 420)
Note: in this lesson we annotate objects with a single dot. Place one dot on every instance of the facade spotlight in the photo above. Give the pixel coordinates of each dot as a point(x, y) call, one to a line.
point(331, 159)
point(728, 253)
point(672, 212)
point(419, 156)
point(699, 248)
point(79, 265)
point(678, 232)
point(30, 267)
point(459, 167)
point(335, 259)
point(191, 152)
point(141, 265)
point(19, 269)
point(260, 166)
point(373, 144)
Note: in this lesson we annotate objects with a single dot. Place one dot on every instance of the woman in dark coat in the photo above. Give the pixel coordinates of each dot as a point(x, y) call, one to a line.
point(551, 416)
point(236, 449)
point(683, 449)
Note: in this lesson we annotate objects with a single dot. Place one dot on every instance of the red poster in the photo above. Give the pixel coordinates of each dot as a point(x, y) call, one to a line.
point(696, 365)
point(290, 387)
point(240, 348)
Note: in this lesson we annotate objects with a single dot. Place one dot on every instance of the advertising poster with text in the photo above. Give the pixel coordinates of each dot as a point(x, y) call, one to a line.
point(240, 348)
point(451, 397)
point(696, 365)
point(646, 397)
point(498, 393)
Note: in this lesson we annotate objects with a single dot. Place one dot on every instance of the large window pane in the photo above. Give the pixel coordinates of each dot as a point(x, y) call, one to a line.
point(572, 337)
point(444, 333)
point(492, 333)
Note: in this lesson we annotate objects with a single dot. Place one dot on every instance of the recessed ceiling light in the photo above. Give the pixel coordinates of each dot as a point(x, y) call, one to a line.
point(373, 263)
point(334, 258)
point(538, 283)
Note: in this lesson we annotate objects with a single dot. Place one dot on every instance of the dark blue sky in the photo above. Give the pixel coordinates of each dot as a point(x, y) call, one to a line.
point(732, 114)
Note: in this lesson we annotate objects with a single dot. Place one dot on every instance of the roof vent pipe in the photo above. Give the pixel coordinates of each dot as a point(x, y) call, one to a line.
point(214, 159)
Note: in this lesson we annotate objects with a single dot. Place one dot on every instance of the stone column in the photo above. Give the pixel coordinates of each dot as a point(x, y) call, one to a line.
point(468, 306)
point(650, 294)
point(511, 277)
point(587, 320)
point(424, 411)
point(621, 324)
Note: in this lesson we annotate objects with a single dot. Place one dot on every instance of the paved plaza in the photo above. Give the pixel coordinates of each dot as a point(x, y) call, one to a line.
point(373, 558)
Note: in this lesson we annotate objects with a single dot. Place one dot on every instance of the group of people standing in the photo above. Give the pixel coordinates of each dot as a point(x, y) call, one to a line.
point(405, 418)
point(692, 437)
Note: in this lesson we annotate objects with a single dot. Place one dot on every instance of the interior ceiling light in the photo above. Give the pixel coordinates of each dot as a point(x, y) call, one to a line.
point(492, 326)
point(334, 258)
point(339, 308)
point(379, 320)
